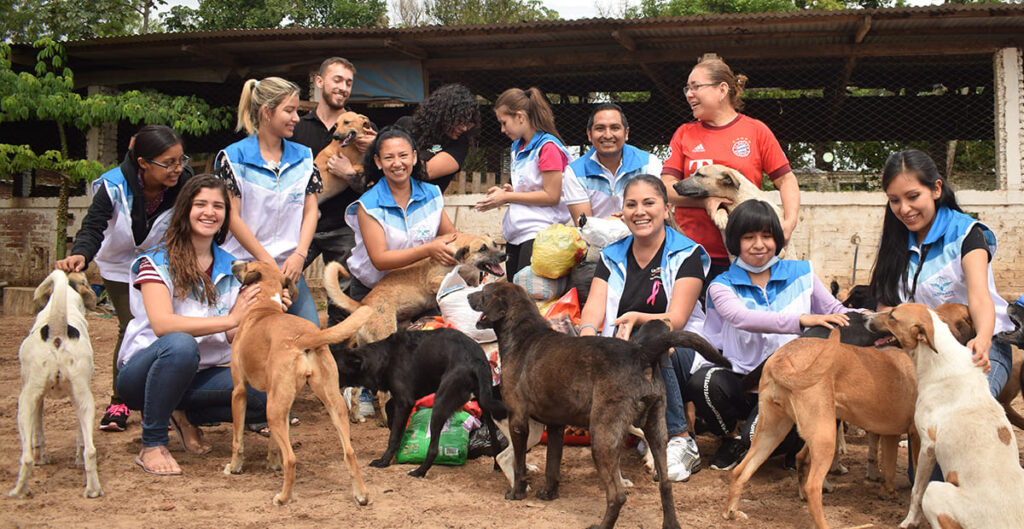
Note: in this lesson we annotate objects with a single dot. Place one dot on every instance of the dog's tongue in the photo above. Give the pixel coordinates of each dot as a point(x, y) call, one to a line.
point(495, 269)
point(884, 341)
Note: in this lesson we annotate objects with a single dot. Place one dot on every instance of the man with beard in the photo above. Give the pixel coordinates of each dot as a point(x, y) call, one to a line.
point(334, 239)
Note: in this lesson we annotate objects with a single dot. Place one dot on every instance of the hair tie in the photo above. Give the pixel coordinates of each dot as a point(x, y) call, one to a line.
point(254, 85)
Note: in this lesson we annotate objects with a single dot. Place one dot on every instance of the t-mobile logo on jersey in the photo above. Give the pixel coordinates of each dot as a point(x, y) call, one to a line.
point(697, 164)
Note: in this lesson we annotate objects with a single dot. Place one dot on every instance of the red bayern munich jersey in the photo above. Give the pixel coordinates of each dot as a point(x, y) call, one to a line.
point(745, 144)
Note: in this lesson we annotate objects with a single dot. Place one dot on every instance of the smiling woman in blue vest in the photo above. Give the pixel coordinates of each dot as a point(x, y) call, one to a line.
point(933, 253)
point(187, 306)
point(654, 273)
point(273, 183)
point(131, 206)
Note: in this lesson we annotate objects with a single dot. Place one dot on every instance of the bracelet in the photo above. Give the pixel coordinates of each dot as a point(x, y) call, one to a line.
point(584, 326)
point(300, 254)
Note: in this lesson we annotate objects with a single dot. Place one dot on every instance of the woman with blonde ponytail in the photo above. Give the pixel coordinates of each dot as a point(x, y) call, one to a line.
point(537, 196)
point(273, 184)
point(722, 135)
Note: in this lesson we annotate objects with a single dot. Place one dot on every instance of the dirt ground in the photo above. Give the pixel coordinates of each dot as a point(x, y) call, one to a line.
point(471, 496)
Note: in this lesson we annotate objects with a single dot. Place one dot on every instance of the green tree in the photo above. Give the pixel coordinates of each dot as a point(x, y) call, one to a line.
point(660, 8)
point(459, 12)
point(48, 95)
point(29, 20)
point(242, 14)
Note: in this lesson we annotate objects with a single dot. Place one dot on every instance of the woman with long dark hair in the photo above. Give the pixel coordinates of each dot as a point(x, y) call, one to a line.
point(131, 206)
point(188, 306)
point(443, 127)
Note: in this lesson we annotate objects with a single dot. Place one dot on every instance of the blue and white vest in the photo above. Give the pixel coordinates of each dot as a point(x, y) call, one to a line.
point(214, 349)
point(273, 199)
point(118, 249)
point(522, 222)
point(604, 187)
point(941, 278)
point(413, 226)
point(788, 290)
point(678, 248)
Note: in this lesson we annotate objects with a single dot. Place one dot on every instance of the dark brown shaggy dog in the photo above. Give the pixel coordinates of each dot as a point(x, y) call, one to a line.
point(605, 384)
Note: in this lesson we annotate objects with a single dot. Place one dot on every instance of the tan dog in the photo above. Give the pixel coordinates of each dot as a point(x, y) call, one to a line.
point(406, 292)
point(717, 180)
point(962, 428)
point(279, 353)
point(56, 358)
point(811, 382)
point(348, 128)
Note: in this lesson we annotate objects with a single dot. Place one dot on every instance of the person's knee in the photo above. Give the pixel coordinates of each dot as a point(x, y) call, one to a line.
point(182, 348)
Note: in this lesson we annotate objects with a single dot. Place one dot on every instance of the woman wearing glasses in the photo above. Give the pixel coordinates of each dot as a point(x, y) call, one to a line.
point(131, 207)
point(722, 135)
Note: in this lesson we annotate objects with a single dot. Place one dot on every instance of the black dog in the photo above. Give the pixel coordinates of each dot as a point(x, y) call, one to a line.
point(413, 364)
point(604, 384)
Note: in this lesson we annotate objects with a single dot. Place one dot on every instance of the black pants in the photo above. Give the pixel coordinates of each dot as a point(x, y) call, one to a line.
point(517, 257)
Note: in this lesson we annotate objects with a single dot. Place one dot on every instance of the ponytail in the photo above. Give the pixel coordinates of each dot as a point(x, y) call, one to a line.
point(533, 103)
point(256, 95)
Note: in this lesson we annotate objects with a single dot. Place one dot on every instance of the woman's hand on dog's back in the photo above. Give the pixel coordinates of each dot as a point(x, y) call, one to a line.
point(440, 251)
point(71, 263)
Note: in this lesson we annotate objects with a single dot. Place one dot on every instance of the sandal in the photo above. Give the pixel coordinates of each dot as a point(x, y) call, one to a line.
point(262, 428)
point(167, 457)
point(203, 448)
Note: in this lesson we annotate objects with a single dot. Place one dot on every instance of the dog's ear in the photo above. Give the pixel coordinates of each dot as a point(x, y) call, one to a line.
point(461, 253)
point(293, 291)
point(922, 332)
point(250, 276)
point(81, 285)
point(730, 177)
point(42, 294)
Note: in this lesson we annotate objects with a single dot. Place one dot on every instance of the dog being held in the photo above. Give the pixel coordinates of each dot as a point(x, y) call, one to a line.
point(56, 358)
point(279, 353)
point(349, 127)
point(811, 382)
point(604, 384)
point(962, 428)
point(414, 364)
point(409, 291)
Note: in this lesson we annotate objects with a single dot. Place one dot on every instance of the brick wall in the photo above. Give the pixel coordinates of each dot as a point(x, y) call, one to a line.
point(828, 222)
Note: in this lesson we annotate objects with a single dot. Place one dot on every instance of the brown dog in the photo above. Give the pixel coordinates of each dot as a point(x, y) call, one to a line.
point(349, 127)
point(720, 181)
point(811, 382)
point(605, 384)
point(406, 292)
point(279, 353)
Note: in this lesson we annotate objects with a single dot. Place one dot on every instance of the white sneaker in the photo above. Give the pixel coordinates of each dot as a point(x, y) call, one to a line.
point(677, 457)
point(692, 456)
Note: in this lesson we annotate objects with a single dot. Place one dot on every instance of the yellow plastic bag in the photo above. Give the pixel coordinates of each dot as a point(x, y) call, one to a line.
point(556, 250)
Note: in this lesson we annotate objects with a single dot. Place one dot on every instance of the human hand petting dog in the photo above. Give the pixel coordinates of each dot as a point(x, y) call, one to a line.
point(363, 142)
point(246, 296)
point(71, 263)
point(341, 167)
point(439, 250)
point(292, 267)
point(625, 323)
point(979, 346)
point(824, 320)
point(496, 196)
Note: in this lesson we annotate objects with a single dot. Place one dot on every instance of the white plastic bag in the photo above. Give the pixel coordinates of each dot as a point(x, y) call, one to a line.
point(602, 232)
point(455, 309)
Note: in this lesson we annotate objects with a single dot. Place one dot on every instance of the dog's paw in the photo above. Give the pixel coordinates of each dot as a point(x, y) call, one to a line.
point(19, 493)
point(231, 469)
point(721, 219)
point(362, 499)
point(515, 495)
point(532, 468)
point(627, 483)
point(734, 515)
point(547, 494)
point(380, 463)
point(838, 469)
point(92, 493)
point(274, 465)
point(280, 499)
point(417, 472)
point(907, 523)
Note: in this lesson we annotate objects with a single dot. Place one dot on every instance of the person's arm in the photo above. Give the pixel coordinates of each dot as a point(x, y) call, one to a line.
point(292, 267)
point(441, 164)
point(684, 297)
point(979, 305)
point(735, 313)
point(160, 311)
point(548, 196)
point(89, 238)
point(382, 258)
point(447, 227)
point(789, 191)
point(592, 315)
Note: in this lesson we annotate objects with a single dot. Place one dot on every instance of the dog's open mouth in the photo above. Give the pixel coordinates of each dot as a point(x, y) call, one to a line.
point(346, 139)
point(887, 341)
point(494, 269)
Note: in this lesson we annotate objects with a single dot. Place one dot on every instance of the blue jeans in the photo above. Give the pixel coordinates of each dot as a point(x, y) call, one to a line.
point(162, 378)
point(304, 307)
point(676, 375)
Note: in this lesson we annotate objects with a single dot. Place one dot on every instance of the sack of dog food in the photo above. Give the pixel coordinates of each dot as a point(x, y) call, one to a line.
point(556, 250)
point(455, 309)
point(541, 288)
point(452, 447)
point(602, 232)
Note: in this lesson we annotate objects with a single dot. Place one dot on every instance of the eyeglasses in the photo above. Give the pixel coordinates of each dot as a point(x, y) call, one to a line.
point(173, 165)
point(694, 87)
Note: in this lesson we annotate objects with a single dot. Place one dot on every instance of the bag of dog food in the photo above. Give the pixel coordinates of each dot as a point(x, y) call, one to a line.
point(541, 288)
point(556, 250)
point(455, 309)
point(452, 447)
point(602, 232)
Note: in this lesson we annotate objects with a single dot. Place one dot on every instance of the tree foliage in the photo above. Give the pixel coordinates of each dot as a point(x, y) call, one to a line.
point(242, 14)
point(459, 12)
point(48, 94)
point(30, 20)
point(658, 8)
